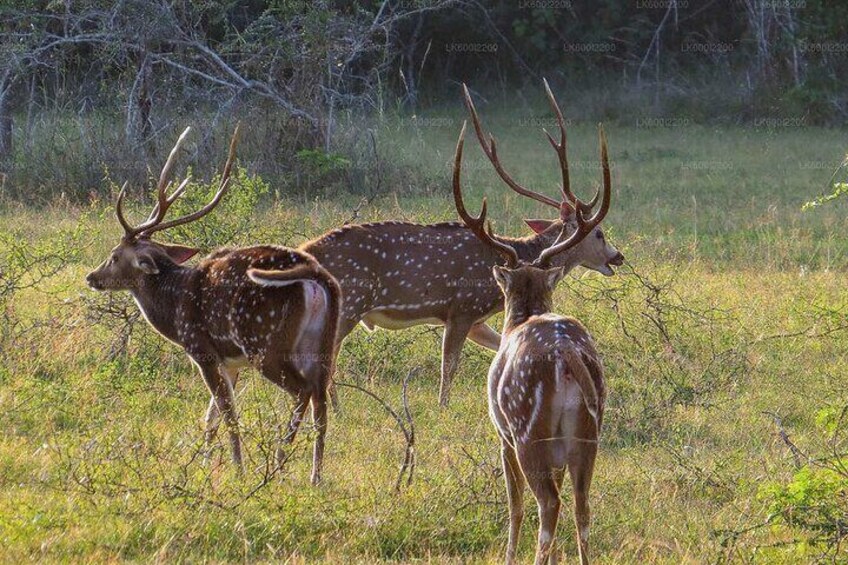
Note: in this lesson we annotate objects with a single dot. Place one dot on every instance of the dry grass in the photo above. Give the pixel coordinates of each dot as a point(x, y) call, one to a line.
point(99, 456)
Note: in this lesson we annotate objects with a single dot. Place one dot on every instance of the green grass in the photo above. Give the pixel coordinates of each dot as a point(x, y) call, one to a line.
point(98, 455)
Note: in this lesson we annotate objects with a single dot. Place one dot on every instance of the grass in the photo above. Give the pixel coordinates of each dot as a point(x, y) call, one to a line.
point(725, 313)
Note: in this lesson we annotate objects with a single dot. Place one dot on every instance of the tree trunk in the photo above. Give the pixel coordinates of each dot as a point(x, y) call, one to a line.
point(139, 105)
point(5, 120)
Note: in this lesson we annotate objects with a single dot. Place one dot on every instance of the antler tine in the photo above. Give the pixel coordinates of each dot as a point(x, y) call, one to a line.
point(561, 147)
point(562, 154)
point(222, 189)
point(490, 149)
point(584, 226)
point(169, 200)
point(163, 202)
point(165, 175)
point(591, 204)
point(477, 224)
point(605, 167)
point(119, 211)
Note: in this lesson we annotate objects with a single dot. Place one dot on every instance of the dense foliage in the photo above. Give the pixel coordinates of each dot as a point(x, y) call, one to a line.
point(312, 76)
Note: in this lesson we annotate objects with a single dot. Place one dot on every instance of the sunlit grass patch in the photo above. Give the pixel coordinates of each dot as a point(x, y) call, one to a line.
point(732, 309)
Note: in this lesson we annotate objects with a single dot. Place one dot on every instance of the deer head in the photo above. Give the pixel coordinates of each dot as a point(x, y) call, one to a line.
point(529, 286)
point(595, 251)
point(137, 256)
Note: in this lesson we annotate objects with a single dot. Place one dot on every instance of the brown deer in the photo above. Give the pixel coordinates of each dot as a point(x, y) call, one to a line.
point(270, 307)
point(546, 384)
point(396, 275)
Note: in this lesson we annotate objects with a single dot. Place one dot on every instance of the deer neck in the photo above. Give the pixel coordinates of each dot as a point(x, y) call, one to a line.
point(162, 299)
point(520, 308)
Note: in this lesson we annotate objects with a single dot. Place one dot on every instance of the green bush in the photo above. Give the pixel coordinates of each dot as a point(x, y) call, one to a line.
point(814, 503)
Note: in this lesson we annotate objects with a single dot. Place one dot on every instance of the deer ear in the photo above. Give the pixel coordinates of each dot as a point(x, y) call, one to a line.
point(554, 276)
point(566, 210)
point(145, 263)
point(538, 226)
point(179, 254)
point(501, 276)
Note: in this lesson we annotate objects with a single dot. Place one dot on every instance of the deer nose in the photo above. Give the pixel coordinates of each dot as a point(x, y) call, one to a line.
point(92, 281)
point(618, 260)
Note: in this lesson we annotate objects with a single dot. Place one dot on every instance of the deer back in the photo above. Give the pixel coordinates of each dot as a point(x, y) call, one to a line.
point(409, 270)
point(241, 317)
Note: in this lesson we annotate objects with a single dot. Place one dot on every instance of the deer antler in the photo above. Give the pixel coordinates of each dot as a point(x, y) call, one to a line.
point(561, 151)
point(584, 226)
point(154, 222)
point(163, 201)
point(476, 225)
point(491, 151)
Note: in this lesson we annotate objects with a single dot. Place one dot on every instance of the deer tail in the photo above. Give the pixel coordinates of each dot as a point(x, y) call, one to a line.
point(574, 361)
point(314, 273)
point(271, 277)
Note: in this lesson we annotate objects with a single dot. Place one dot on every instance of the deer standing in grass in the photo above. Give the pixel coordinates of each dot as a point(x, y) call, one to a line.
point(395, 275)
point(546, 384)
point(270, 307)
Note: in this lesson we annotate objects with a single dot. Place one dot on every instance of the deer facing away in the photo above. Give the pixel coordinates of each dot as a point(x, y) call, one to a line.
point(396, 275)
point(270, 307)
point(546, 384)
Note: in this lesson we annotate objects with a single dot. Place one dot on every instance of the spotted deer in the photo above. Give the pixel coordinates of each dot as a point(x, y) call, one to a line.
point(269, 307)
point(546, 384)
point(395, 275)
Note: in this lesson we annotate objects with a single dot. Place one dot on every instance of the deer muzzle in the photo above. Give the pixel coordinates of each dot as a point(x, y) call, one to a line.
point(616, 261)
point(93, 281)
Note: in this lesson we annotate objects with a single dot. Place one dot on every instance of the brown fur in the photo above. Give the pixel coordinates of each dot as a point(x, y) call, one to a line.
point(545, 424)
point(545, 385)
point(225, 315)
point(397, 274)
point(224, 320)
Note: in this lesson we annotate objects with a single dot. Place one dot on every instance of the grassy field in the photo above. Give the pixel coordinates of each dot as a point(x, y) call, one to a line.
point(724, 327)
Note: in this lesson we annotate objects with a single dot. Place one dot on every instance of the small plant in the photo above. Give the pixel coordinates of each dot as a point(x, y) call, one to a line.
point(839, 188)
point(814, 503)
point(317, 168)
point(234, 219)
point(26, 265)
point(320, 162)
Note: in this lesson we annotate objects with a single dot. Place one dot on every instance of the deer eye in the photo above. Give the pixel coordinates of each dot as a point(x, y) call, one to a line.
point(600, 235)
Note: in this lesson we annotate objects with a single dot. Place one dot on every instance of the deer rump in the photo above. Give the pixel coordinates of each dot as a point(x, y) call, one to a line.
point(556, 397)
point(315, 303)
point(283, 306)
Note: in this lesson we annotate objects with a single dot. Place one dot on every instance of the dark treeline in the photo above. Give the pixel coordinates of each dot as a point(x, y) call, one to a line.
point(83, 83)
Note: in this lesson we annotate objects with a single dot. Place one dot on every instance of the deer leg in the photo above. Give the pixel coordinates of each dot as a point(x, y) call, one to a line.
point(514, 491)
point(212, 418)
point(483, 335)
point(345, 327)
point(301, 403)
point(212, 421)
point(558, 475)
point(455, 333)
point(334, 397)
point(282, 372)
point(547, 498)
point(581, 470)
point(542, 478)
point(222, 393)
point(319, 417)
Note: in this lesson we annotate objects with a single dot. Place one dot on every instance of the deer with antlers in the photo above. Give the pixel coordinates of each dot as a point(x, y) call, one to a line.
point(546, 384)
point(396, 275)
point(269, 307)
